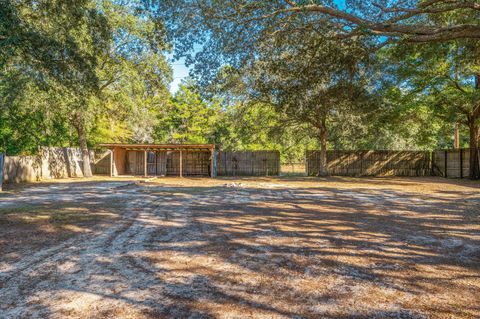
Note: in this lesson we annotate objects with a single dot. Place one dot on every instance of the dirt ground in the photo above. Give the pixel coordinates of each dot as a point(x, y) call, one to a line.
point(244, 248)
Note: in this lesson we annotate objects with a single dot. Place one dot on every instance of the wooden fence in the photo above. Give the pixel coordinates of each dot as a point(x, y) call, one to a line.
point(372, 163)
point(248, 163)
point(49, 163)
point(452, 163)
point(60, 163)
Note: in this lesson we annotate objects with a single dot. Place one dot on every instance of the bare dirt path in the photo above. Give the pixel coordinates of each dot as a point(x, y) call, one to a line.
point(267, 248)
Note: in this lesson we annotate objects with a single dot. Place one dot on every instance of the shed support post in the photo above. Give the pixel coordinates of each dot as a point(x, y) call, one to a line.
point(145, 163)
point(181, 164)
point(212, 163)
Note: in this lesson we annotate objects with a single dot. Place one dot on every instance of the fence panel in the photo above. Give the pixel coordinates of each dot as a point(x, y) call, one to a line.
point(371, 163)
point(248, 163)
point(452, 163)
point(50, 163)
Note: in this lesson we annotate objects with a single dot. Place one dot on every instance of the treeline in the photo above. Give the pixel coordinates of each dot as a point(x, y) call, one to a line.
point(265, 75)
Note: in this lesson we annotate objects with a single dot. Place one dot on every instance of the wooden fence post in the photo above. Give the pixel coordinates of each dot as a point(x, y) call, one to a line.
point(145, 163)
point(215, 162)
point(361, 163)
point(307, 169)
point(279, 167)
point(432, 163)
point(2, 161)
point(446, 162)
point(461, 163)
point(181, 164)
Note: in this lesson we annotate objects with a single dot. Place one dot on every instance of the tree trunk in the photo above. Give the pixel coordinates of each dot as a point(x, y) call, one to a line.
point(456, 136)
point(474, 135)
point(322, 169)
point(82, 141)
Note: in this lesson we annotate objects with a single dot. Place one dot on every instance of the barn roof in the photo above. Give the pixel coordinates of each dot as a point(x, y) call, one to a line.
point(159, 146)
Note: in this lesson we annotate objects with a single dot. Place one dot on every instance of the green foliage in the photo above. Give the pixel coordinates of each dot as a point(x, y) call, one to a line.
point(434, 86)
point(133, 75)
point(95, 68)
point(187, 118)
point(264, 77)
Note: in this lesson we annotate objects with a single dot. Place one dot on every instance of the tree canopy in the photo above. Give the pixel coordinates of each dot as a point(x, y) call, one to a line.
point(286, 75)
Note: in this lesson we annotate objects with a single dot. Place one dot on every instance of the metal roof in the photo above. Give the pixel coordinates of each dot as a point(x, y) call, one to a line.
point(159, 146)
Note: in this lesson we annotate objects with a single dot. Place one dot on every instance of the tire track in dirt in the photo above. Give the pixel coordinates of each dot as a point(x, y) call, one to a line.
point(121, 275)
point(156, 214)
point(106, 268)
point(136, 280)
point(36, 273)
point(49, 253)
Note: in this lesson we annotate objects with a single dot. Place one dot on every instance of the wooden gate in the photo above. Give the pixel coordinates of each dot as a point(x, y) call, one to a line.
point(157, 163)
point(135, 163)
point(161, 158)
point(173, 163)
point(151, 163)
point(195, 163)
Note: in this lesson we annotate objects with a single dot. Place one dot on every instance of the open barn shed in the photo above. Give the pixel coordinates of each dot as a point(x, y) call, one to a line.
point(162, 159)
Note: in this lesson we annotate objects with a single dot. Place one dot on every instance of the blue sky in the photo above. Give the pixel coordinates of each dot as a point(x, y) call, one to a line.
point(180, 71)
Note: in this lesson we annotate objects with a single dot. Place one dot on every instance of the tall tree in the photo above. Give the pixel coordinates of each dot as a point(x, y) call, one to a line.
point(229, 32)
point(85, 65)
point(445, 76)
point(56, 44)
point(133, 76)
point(131, 66)
point(306, 75)
point(313, 80)
point(249, 121)
point(233, 27)
point(405, 20)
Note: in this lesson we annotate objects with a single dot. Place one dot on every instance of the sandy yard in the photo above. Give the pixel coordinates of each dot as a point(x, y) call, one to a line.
point(245, 248)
